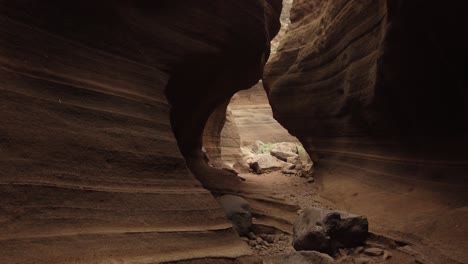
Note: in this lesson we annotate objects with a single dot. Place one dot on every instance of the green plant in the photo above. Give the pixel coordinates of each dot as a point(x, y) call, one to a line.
point(301, 149)
point(265, 148)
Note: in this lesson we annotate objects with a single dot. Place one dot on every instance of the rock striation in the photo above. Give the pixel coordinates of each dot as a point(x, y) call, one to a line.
point(379, 92)
point(101, 102)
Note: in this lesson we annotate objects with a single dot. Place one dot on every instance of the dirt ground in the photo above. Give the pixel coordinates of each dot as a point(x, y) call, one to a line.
point(300, 191)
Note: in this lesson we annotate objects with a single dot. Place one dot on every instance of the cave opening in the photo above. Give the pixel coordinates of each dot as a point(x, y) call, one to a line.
point(242, 134)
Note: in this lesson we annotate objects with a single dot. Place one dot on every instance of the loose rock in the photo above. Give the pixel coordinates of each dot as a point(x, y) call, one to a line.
point(358, 250)
point(386, 255)
point(264, 163)
point(288, 171)
point(237, 210)
point(327, 230)
point(257, 145)
point(259, 240)
point(283, 155)
point(292, 160)
point(373, 251)
point(286, 147)
point(251, 236)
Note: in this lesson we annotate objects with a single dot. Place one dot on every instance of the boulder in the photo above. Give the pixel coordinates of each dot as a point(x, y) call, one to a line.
point(285, 147)
point(303, 257)
point(237, 210)
point(283, 155)
point(292, 159)
point(265, 163)
point(327, 230)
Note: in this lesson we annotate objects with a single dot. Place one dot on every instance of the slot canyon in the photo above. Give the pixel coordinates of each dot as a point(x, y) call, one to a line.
point(234, 131)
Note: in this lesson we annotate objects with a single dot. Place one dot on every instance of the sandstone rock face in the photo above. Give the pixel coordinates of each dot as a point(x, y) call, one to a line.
point(253, 117)
point(379, 92)
point(262, 163)
point(91, 93)
point(326, 230)
point(285, 22)
point(221, 138)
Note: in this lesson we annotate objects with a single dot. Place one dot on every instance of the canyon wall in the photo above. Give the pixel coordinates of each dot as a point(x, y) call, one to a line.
point(254, 119)
point(97, 98)
point(377, 93)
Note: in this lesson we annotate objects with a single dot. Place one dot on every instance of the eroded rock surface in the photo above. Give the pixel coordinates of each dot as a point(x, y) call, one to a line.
point(100, 103)
point(376, 93)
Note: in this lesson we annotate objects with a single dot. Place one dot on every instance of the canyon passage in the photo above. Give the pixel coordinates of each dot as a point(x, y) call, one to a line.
point(234, 131)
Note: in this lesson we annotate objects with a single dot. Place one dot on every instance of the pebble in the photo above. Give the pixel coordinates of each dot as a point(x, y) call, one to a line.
point(269, 239)
point(252, 243)
point(259, 240)
point(373, 251)
point(343, 252)
point(251, 236)
point(358, 250)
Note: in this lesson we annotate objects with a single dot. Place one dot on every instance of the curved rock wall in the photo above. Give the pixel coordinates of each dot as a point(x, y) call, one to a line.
point(90, 169)
point(376, 91)
point(221, 139)
point(254, 119)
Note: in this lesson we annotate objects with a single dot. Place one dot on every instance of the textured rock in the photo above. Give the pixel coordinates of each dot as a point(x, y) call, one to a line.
point(257, 146)
point(292, 160)
point(288, 171)
point(262, 163)
point(221, 138)
point(285, 147)
point(326, 230)
point(237, 210)
point(376, 93)
point(373, 251)
point(91, 94)
point(283, 155)
point(253, 117)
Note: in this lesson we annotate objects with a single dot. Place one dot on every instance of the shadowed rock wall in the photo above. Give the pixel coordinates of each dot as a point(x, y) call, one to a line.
point(90, 168)
point(381, 105)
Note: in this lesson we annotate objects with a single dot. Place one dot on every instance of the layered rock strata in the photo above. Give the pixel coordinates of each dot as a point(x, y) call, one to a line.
point(91, 92)
point(380, 103)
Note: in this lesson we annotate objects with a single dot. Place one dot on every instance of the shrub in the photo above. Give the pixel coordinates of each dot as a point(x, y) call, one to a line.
point(265, 148)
